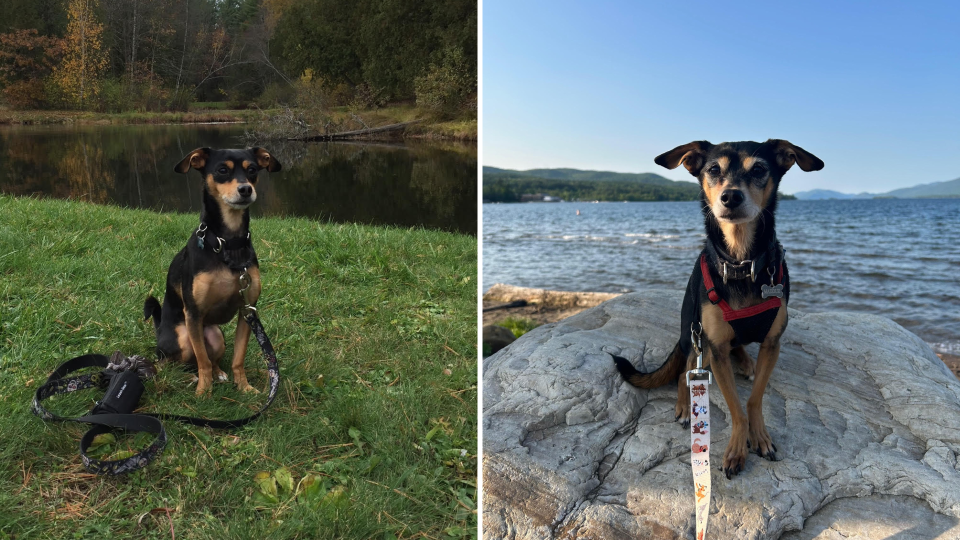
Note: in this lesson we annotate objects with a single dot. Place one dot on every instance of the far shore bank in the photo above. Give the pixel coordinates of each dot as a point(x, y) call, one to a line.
point(464, 130)
point(546, 306)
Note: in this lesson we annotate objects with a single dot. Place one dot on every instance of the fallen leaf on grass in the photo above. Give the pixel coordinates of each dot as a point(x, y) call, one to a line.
point(284, 479)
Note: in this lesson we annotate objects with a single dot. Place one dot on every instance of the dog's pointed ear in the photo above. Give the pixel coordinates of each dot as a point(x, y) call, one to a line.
point(194, 160)
point(265, 160)
point(692, 155)
point(788, 154)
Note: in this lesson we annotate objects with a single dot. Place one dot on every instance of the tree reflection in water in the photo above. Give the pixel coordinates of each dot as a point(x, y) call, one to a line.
point(428, 185)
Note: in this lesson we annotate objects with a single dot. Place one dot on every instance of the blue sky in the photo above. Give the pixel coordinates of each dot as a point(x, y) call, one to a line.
point(872, 88)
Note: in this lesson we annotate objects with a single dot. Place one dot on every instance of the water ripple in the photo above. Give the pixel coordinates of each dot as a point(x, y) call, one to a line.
point(897, 258)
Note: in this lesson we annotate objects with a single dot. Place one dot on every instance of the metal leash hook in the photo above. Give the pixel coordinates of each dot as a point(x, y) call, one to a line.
point(201, 234)
point(245, 282)
point(698, 372)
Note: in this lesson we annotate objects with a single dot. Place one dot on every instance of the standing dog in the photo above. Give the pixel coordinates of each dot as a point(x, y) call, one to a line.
point(739, 289)
point(204, 279)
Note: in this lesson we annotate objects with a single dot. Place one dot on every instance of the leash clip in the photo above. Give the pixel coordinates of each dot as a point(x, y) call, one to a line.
point(698, 373)
point(201, 233)
point(245, 282)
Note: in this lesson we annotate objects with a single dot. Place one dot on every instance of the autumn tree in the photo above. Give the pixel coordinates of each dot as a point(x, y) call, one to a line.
point(84, 61)
point(25, 59)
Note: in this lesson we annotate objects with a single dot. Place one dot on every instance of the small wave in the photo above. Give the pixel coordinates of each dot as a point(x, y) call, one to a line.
point(653, 236)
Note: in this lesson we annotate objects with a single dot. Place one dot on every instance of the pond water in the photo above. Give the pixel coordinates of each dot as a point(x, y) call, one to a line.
point(426, 185)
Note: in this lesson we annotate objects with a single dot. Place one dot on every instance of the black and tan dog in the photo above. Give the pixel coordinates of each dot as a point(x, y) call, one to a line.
point(203, 282)
point(739, 289)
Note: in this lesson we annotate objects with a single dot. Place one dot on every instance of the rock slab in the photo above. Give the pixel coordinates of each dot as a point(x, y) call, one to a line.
point(863, 413)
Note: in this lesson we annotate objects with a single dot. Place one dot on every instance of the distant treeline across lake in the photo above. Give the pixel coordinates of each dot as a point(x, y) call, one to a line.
point(505, 186)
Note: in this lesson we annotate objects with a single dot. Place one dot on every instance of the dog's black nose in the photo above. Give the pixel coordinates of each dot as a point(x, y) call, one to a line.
point(245, 191)
point(731, 198)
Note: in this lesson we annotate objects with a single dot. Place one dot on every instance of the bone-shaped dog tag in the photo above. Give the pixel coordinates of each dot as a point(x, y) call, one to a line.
point(766, 291)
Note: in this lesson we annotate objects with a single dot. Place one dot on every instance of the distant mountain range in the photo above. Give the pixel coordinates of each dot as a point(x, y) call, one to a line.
point(950, 188)
point(507, 184)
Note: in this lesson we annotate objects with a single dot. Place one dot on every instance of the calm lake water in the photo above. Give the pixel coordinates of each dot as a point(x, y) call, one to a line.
point(426, 185)
point(897, 258)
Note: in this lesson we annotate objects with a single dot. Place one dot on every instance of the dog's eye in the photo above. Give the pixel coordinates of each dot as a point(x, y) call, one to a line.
point(252, 170)
point(222, 170)
point(758, 170)
point(714, 171)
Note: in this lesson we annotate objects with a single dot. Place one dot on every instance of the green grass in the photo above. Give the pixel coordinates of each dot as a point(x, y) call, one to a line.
point(373, 433)
point(518, 325)
point(206, 105)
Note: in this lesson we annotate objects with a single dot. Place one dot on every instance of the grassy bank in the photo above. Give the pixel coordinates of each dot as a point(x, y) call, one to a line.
point(83, 117)
point(375, 329)
point(464, 129)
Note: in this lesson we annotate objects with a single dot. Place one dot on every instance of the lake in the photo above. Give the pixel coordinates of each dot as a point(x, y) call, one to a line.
point(409, 185)
point(893, 257)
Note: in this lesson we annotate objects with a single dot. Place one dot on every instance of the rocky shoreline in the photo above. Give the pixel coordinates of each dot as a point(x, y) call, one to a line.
point(546, 306)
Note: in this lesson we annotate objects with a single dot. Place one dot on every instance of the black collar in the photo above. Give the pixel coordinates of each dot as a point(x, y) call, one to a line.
point(219, 244)
point(730, 268)
point(234, 245)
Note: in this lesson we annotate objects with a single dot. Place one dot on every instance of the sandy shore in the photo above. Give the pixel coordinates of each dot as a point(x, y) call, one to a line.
point(545, 306)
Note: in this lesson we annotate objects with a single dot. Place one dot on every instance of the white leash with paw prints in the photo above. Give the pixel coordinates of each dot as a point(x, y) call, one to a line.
point(699, 381)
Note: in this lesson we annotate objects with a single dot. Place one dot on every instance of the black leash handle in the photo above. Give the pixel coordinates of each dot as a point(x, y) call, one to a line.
point(147, 422)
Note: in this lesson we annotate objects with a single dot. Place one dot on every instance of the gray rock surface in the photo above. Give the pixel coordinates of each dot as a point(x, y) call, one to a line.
point(864, 416)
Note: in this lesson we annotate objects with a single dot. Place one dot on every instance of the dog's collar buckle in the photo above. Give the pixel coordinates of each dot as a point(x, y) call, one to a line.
point(728, 273)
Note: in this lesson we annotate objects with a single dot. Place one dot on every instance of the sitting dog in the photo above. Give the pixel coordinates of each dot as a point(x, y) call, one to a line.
point(739, 288)
point(204, 279)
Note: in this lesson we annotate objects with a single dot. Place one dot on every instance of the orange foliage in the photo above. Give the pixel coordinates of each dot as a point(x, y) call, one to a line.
point(25, 59)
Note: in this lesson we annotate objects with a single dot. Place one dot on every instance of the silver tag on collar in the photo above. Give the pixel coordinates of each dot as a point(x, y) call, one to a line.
point(766, 291)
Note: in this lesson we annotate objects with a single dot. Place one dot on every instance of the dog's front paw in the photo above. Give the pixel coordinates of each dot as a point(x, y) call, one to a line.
point(203, 387)
point(220, 376)
point(760, 442)
point(735, 457)
point(245, 387)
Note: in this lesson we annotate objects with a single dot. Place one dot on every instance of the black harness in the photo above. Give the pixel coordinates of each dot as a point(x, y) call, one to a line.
point(708, 283)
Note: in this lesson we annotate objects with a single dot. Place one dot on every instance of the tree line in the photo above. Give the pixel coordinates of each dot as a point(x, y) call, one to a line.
point(509, 188)
point(119, 55)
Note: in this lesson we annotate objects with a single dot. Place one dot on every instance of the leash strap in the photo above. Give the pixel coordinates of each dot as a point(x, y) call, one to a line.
point(699, 380)
point(148, 422)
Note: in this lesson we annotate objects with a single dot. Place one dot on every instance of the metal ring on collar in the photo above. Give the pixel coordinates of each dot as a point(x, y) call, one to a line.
point(219, 248)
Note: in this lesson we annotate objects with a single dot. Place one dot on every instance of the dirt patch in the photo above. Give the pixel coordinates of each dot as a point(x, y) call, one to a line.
point(952, 361)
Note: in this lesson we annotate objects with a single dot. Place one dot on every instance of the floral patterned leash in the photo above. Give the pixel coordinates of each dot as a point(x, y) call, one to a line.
point(700, 433)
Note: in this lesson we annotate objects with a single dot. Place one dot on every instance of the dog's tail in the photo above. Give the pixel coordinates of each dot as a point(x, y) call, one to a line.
point(151, 308)
point(667, 373)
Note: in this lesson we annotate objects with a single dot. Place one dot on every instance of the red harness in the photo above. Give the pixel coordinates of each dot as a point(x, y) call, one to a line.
point(730, 314)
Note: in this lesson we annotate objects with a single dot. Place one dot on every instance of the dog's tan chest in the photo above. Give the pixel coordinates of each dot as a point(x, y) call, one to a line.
point(217, 294)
